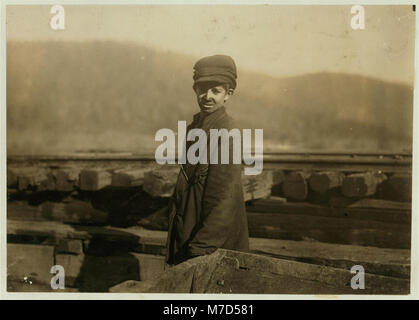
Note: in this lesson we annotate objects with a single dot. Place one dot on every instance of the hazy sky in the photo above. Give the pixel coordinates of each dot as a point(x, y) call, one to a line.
point(275, 40)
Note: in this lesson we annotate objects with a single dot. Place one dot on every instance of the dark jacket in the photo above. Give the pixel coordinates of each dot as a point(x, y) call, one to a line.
point(207, 210)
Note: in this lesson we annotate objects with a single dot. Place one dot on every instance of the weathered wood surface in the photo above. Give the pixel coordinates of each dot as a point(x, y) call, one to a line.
point(258, 186)
point(72, 265)
point(362, 184)
point(278, 180)
point(160, 182)
point(224, 271)
point(383, 261)
point(75, 211)
point(364, 209)
point(136, 238)
point(128, 178)
point(30, 263)
point(383, 205)
point(329, 229)
point(324, 181)
point(295, 185)
point(151, 266)
point(72, 246)
point(30, 178)
point(398, 187)
point(22, 286)
point(93, 180)
point(66, 179)
point(47, 183)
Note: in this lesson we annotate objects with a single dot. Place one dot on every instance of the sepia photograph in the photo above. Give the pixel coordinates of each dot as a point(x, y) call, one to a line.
point(208, 149)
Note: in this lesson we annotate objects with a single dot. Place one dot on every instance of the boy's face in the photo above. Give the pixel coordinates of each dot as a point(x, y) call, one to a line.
point(211, 95)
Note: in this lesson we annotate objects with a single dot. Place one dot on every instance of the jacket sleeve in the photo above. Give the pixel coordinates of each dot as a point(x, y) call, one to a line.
point(218, 202)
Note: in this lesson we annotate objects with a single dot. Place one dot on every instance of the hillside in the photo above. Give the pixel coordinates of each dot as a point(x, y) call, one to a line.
point(79, 96)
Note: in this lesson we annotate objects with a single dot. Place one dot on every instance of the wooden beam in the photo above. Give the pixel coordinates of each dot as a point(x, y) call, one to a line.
point(258, 186)
point(365, 209)
point(30, 178)
point(129, 178)
point(295, 185)
point(398, 187)
point(160, 182)
point(383, 261)
point(330, 230)
point(66, 179)
point(362, 184)
point(93, 180)
point(75, 211)
point(322, 182)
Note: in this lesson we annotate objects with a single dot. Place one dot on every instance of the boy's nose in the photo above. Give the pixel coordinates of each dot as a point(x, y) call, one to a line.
point(209, 94)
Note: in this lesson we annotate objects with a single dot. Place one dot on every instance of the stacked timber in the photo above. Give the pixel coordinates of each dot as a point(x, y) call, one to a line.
point(66, 179)
point(128, 178)
point(93, 179)
point(362, 184)
point(30, 178)
point(160, 182)
point(258, 186)
point(367, 222)
point(295, 185)
point(324, 181)
point(374, 223)
point(398, 188)
point(73, 211)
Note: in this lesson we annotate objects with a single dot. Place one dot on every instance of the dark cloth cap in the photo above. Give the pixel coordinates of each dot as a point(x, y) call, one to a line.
point(218, 68)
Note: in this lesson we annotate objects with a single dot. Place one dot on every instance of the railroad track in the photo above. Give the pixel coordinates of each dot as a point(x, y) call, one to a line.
point(347, 162)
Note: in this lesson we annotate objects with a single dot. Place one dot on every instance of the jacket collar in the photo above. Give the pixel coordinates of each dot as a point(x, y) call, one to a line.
point(205, 121)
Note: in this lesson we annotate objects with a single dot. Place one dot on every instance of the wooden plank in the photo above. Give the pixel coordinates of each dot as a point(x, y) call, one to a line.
point(295, 185)
point(75, 211)
point(268, 275)
point(99, 273)
point(73, 246)
point(330, 230)
point(383, 261)
point(51, 229)
point(72, 265)
point(381, 204)
point(136, 238)
point(151, 266)
point(365, 209)
point(362, 184)
point(28, 262)
point(322, 182)
point(93, 180)
point(225, 271)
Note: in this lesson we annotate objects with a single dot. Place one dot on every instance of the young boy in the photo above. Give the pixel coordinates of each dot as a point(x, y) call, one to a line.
point(207, 210)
